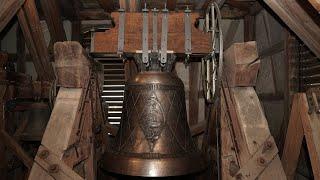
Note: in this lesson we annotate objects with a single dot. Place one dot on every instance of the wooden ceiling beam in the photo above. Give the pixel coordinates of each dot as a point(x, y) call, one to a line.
point(298, 20)
point(53, 18)
point(8, 8)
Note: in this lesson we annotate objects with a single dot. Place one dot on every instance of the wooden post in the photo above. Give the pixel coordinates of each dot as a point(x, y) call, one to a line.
point(293, 142)
point(34, 26)
point(304, 122)
point(249, 28)
point(52, 14)
point(21, 51)
point(194, 82)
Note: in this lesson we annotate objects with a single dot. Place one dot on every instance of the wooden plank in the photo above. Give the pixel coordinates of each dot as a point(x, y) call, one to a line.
point(293, 142)
point(273, 171)
point(272, 50)
point(21, 51)
point(229, 162)
point(29, 21)
point(254, 125)
point(298, 21)
point(7, 10)
point(249, 28)
point(37, 172)
point(269, 42)
point(31, 44)
point(53, 166)
point(230, 34)
point(194, 82)
point(16, 149)
point(315, 4)
point(240, 145)
point(311, 127)
point(259, 161)
point(61, 123)
point(108, 41)
point(51, 11)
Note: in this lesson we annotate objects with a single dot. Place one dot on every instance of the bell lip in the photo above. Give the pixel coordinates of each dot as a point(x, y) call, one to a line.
point(164, 167)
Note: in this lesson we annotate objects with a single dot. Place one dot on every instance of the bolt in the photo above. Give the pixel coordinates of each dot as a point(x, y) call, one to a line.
point(44, 154)
point(261, 161)
point(233, 168)
point(54, 168)
point(267, 146)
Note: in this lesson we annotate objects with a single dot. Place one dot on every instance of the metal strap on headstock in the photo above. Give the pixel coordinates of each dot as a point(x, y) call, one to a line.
point(187, 32)
point(164, 37)
point(155, 30)
point(145, 33)
point(121, 31)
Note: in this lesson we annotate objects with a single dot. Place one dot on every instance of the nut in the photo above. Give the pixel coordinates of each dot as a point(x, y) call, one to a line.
point(54, 168)
point(44, 154)
point(261, 161)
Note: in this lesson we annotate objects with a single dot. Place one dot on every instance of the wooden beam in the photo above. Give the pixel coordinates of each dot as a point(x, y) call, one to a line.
point(315, 4)
point(231, 32)
point(194, 81)
point(7, 10)
point(23, 22)
point(108, 41)
point(107, 5)
point(249, 28)
point(21, 51)
point(16, 148)
point(31, 14)
point(293, 142)
point(298, 21)
point(53, 18)
point(274, 49)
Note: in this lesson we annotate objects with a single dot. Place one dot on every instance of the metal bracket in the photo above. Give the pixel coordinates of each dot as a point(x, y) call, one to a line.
point(155, 30)
point(187, 32)
point(121, 31)
point(164, 37)
point(145, 33)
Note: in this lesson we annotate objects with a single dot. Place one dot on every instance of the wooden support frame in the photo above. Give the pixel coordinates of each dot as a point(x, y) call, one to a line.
point(71, 136)
point(304, 122)
point(248, 150)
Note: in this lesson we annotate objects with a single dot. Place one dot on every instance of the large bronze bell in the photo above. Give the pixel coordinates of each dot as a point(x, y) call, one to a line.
point(154, 138)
